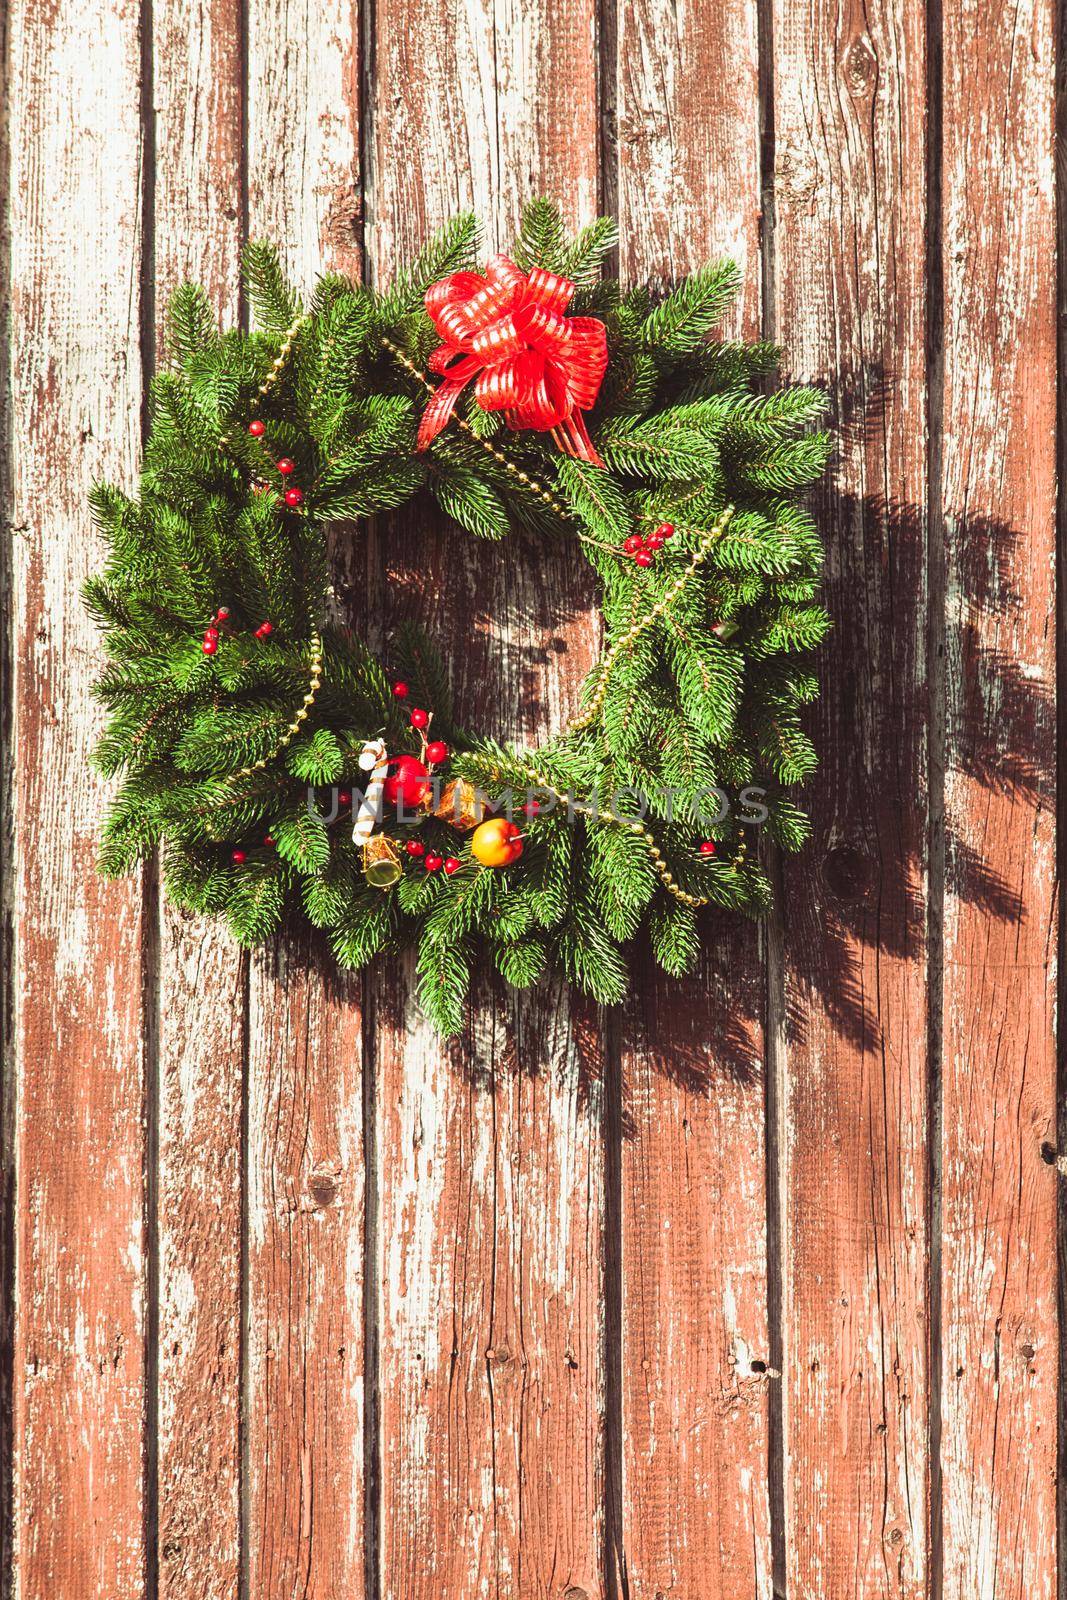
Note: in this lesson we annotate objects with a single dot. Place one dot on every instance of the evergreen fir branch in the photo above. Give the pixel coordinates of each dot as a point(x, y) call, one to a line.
point(422, 667)
point(274, 305)
point(468, 500)
point(255, 902)
point(451, 249)
point(595, 498)
point(685, 318)
point(583, 260)
point(521, 962)
point(190, 323)
point(542, 240)
point(443, 967)
point(675, 940)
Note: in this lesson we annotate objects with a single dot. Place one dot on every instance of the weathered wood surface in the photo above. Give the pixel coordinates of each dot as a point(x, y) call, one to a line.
point(750, 1291)
point(849, 978)
point(490, 1230)
point(695, 1414)
point(303, 1399)
point(997, 517)
point(199, 974)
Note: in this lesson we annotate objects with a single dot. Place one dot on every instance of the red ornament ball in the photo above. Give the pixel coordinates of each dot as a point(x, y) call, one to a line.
point(294, 497)
point(415, 847)
point(451, 865)
point(264, 630)
point(211, 633)
point(666, 529)
point(210, 645)
point(655, 540)
point(344, 799)
point(257, 429)
point(400, 691)
point(433, 863)
point(633, 544)
point(436, 752)
point(643, 558)
point(420, 718)
point(531, 808)
point(285, 466)
point(238, 858)
point(707, 847)
point(268, 840)
point(407, 782)
point(222, 614)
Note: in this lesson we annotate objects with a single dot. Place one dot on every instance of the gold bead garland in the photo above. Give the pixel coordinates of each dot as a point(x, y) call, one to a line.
point(300, 716)
point(632, 634)
point(666, 876)
point(276, 365)
point(484, 444)
point(283, 354)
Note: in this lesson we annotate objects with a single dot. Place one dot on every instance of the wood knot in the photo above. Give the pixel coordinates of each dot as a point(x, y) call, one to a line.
point(323, 1184)
point(861, 67)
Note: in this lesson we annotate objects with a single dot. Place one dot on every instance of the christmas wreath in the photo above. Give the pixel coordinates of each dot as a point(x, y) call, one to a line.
point(279, 765)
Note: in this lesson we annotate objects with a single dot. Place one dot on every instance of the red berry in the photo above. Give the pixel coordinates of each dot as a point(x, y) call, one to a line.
point(222, 614)
point(400, 690)
point(433, 863)
point(256, 429)
point(264, 630)
point(451, 865)
point(436, 752)
point(268, 840)
point(415, 847)
point(531, 808)
point(211, 633)
point(666, 529)
point(633, 544)
point(655, 540)
point(238, 858)
point(294, 497)
point(210, 646)
point(420, 718)
point(707, 847)
point(643, 558)
point(344, 799)
point(285, 466)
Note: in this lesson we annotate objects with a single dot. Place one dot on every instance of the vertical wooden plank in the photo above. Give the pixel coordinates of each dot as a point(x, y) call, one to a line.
point(491, 1186)
point(999, 1327)
point(200, 994)
point(73, 413)
point(851, 1037)
point(696, 1509)
point(304, 1394)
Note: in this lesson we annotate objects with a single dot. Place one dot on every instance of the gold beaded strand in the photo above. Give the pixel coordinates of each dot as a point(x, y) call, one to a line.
point(300, 715)
point(663, 604)
point(487, 445)
point(283, 354)
point(659, 862)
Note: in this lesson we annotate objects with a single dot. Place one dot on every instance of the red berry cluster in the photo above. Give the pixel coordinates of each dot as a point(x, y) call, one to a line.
point(219, 621)
point(294, 496)
point(410, 770)
point(432, 863)
point(644, 546)
point(211, 632)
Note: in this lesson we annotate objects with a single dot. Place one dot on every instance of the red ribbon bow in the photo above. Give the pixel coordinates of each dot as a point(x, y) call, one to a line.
point(541, 368)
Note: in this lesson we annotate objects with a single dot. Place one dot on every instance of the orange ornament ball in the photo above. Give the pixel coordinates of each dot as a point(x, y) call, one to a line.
point(496, 843)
